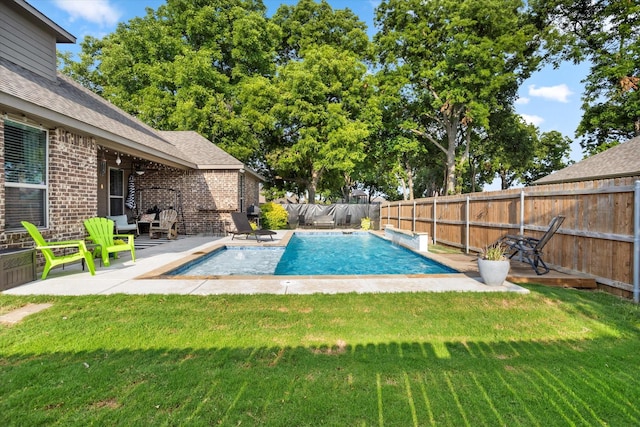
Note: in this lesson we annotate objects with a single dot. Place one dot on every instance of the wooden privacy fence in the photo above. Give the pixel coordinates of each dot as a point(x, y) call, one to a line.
point(596, 238)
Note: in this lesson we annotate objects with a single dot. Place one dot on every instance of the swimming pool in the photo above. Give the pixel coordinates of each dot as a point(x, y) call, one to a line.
point(315, 253)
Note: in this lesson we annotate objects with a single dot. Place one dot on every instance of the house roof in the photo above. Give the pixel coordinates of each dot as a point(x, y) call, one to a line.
point(619, 161)
point(204, 153)
point(68, 103)
point(201, 151)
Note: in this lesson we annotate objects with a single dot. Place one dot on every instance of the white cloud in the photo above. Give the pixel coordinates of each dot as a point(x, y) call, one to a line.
point(532, 119)
point(523, 100)
point(95, 11)
point(558, 93)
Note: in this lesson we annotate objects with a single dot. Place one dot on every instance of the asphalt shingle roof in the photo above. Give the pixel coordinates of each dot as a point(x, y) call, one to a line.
point(68, 98)
point(619, 161)
point(201, 151)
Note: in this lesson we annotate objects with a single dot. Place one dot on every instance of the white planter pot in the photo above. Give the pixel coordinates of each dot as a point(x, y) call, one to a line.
point(493, 273)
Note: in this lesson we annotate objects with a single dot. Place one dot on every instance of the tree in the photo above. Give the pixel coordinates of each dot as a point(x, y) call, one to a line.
point(606, 34)
point(515, 151)
point(509, 146)
point(461, 59)
point(318, 117)
point(550, 154)
point(179, 67)
point(308, 24)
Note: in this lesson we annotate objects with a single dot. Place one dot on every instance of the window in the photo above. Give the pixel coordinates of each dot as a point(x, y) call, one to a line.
point(25, 165)
point(116, 192)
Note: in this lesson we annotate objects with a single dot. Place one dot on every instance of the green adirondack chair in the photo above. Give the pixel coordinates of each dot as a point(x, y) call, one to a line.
point(53, 260)
point(101, 233)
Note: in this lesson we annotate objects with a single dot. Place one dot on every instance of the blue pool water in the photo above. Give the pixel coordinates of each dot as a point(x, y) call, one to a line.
point(316, 254)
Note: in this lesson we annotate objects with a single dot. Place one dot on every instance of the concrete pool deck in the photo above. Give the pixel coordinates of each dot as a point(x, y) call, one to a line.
point(126, 277)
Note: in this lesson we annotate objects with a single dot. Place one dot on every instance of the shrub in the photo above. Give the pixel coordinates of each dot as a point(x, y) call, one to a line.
point(273, 216)
point(365, 223)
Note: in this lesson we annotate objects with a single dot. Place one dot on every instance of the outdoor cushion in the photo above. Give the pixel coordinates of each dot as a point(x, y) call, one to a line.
point(323, 221)
point(122, 224)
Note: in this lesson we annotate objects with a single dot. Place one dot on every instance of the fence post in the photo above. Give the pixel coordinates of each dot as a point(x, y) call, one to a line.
point(434, 221)
point(466, 220)
point(636, 243)
point(522, 212)
point(413, 214)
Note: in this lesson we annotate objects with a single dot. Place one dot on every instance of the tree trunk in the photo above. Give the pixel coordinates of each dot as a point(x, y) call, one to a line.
point(403, 185)
point(313, 186)
point(450, 185)
point(504, 182)
point(451, 124)
point(409, 172)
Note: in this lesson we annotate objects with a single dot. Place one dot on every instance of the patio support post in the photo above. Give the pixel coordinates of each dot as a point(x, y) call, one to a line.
point(636, 243)
point(522, 213)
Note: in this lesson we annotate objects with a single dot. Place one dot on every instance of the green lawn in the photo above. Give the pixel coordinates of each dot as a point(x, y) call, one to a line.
point(553, 357)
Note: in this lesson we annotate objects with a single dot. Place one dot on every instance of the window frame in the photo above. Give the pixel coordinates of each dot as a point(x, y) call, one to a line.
point(24, 185)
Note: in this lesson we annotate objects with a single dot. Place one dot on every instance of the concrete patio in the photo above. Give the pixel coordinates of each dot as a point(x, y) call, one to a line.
point(126, 277)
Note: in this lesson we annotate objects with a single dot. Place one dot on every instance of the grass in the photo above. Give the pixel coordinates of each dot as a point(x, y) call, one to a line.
point(553, 357)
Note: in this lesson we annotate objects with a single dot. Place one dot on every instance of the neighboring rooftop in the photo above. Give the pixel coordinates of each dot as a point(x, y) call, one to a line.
point(619, 161)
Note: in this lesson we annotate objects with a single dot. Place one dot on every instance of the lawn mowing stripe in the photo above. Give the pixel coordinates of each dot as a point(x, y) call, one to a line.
point(412, 404)
point(427, 402)
point(523, 407)
point(484, 393)
point(574, 397)
point(552, 402)
point(454, 393)
point(605, 392)
point(379, 391)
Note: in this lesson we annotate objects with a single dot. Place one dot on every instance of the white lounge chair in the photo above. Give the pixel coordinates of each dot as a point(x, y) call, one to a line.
point(122, 224)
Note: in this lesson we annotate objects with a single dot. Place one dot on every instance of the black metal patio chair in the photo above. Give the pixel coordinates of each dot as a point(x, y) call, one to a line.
point(530, 249)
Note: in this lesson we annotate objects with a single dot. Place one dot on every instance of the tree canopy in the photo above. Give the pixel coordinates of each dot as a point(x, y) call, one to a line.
point(307, 99)
point(461, 59)
point(607, 34)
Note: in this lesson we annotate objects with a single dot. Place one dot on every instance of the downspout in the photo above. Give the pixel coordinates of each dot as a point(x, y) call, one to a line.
point(636, 243)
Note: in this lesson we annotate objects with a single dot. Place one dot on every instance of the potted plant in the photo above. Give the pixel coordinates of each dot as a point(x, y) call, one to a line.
point(494, 265)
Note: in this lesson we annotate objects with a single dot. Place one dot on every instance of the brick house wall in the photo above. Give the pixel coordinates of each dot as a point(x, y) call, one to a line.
point(204, 198)
point(73, 189)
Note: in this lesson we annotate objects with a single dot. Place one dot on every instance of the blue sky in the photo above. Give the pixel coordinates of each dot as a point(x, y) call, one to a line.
point(550, 99)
